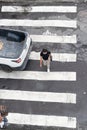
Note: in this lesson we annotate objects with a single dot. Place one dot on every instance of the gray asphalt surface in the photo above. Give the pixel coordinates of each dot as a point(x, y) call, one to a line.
point(79, 87)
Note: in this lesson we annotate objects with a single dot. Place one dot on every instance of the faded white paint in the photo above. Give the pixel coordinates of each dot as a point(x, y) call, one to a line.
point(42, 120)
point(36, 75)
point(38, 23)
point(62, 9)
point(38, 96)
point(60, 57)
point(54, 39)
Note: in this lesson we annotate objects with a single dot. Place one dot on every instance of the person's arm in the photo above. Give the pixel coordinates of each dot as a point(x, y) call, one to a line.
point(40, 61)
point(50, 56)
point(1, 118)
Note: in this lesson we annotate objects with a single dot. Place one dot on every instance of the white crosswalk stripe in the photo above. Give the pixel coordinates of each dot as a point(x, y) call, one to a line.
point(60, 57)
point(35, 75)
point(63, 9)
point(37, 96)
point(54, 39)
point(42, 120)
point(38, 23)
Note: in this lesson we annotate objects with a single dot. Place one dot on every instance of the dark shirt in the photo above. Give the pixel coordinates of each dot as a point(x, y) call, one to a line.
point(45, 56)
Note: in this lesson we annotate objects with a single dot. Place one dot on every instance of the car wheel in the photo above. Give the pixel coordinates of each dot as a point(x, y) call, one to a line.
point(6, 68)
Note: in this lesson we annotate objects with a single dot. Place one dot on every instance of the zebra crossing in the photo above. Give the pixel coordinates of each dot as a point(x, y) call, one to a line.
point(67, 9)
point(43, 120)
point(38, 23)
point(18, 95)
point(61, 57)
point(38, 96)
point(54, 76)
point(54, 39)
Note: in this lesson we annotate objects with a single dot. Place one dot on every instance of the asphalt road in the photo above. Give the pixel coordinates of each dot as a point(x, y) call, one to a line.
point(78, 87)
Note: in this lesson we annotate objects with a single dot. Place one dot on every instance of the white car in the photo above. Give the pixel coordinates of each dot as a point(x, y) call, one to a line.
point(15, 48)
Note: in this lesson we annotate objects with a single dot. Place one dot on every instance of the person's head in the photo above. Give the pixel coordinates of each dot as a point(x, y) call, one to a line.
point(4, 113)
point(44, 50)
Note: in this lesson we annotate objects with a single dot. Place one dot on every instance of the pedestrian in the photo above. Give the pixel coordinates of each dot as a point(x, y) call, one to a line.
point(3, 114)
point(1, 122)
point(45, 58)
point(4, 119)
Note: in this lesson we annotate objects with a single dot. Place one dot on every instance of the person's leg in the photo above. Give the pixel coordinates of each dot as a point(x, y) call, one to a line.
point(48, 65)
point(44, 62)
point(5, 122)
point(2, 124)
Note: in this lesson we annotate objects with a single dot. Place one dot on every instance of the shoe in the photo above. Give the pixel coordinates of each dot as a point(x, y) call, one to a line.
point(48, 70)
